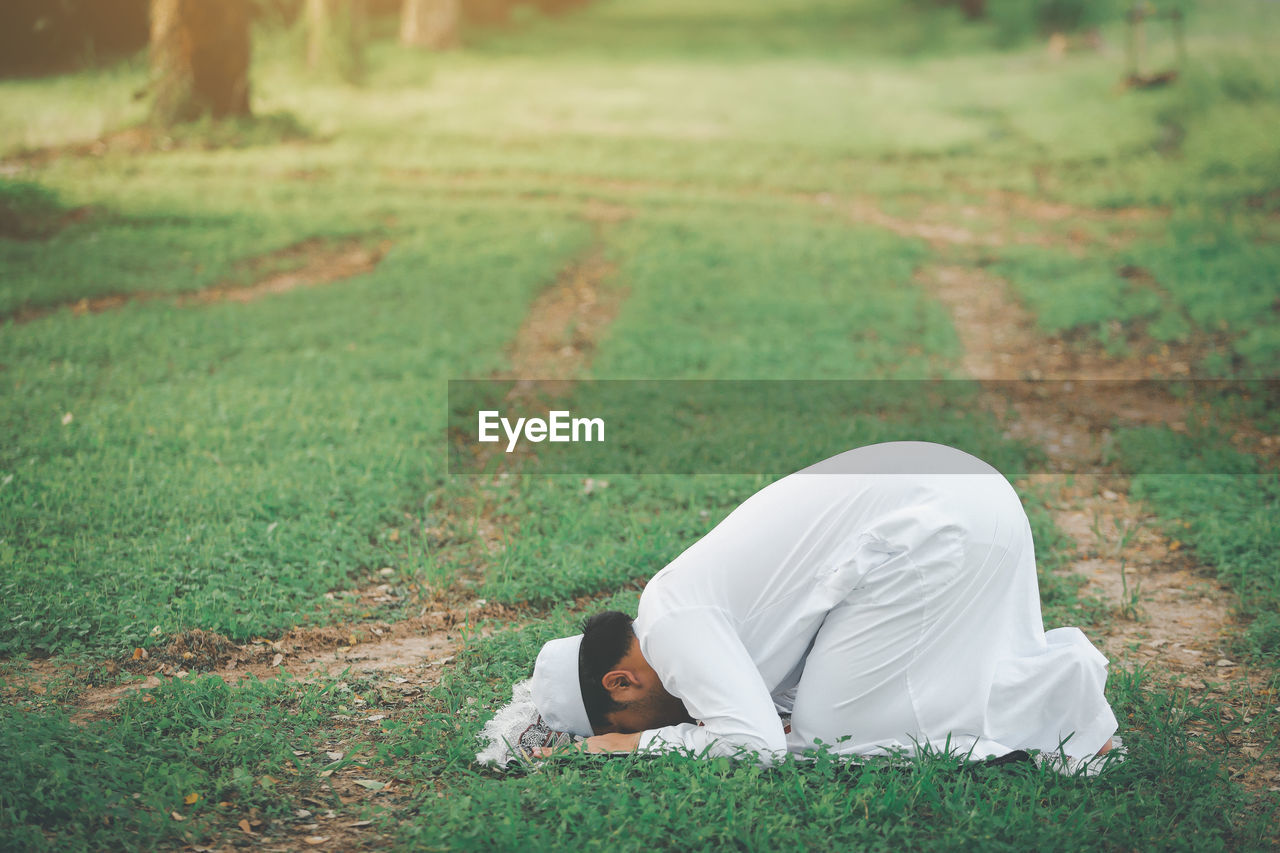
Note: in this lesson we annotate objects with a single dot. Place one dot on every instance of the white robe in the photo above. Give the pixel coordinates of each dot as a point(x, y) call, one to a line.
point(887, 599)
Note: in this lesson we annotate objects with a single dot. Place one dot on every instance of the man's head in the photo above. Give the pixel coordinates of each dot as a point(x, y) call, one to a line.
point(619, 691)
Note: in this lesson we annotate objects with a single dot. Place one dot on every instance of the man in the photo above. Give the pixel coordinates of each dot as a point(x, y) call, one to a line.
point(885, 598)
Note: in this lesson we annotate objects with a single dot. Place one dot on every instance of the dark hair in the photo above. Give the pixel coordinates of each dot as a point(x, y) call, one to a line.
point(606, 637)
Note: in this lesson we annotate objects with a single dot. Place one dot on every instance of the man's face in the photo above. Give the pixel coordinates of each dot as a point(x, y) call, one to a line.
point(653, 710)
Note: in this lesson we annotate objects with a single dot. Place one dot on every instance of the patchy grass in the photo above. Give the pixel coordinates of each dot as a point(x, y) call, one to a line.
point(185, 762)
point(244, 459)
point(253, 752)
point(1208, 283)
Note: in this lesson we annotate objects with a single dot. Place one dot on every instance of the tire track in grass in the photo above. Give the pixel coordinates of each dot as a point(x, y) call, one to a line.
point(556, 341)
point(1171, 613)
point(1186, 609)
point(308, 263)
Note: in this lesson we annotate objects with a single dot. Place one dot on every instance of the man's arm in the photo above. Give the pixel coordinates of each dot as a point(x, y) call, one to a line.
point(611, 742)
point(699, 657)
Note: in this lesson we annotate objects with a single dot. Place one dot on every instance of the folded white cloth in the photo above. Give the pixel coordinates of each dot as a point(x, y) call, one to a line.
point(517, 729)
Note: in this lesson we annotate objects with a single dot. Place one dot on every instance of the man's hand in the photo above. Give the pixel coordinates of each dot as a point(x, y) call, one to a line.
point(611, 742)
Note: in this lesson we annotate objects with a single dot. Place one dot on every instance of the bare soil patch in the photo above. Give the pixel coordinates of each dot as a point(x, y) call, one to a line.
point(936, 231)
point(306, 264)
point(569, 318)
point(565, 322)
point(1001, 217)
point(1093, 390)
point(1170, 611)
point(410, 651)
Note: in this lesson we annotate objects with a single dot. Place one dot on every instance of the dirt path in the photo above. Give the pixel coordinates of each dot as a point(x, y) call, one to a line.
point(569, 318)
point(998, 219)
point(559, 335)
point(410, 652)
point(556, 341)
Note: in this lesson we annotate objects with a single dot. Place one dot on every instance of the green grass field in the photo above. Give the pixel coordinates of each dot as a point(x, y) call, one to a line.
point(237, 467)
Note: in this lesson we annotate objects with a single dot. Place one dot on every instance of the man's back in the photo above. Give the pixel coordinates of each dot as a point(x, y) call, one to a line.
point(735, 614)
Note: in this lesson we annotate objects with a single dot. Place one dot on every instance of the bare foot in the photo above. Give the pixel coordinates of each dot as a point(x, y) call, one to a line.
point(1106, 747)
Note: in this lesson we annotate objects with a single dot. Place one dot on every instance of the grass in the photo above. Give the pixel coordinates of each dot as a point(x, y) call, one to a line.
point(42, 111)
point(199, 750)
point(719, 308)
point(28, 211)
point(1168, 290)
point(245, 460)
point(230, 466)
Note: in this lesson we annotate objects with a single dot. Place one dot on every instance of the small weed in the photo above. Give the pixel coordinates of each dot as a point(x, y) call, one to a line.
point(1129, 599)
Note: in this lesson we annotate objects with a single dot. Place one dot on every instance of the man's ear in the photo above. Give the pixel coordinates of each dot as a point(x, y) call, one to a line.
point(620, 683)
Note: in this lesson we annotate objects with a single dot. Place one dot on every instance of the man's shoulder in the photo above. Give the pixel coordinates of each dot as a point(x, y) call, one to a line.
point(663, 606)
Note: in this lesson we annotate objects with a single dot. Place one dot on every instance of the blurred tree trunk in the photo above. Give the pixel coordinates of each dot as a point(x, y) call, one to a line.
point(429, 23)
point(319, 28)
point(336, 37)
point(199, 59)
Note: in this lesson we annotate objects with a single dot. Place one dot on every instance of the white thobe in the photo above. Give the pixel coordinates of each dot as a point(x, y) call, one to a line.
point(887, 599)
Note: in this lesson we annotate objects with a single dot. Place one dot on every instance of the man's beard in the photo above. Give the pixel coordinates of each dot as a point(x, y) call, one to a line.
point(660, 708)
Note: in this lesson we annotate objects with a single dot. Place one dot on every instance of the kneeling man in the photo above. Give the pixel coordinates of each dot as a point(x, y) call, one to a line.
point(885, 599)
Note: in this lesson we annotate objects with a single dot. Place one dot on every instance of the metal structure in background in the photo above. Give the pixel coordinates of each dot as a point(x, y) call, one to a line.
point(1136, 46)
